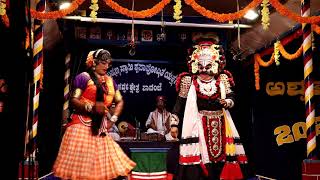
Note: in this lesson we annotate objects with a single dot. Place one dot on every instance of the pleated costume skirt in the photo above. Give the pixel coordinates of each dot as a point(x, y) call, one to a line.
point(86, 157)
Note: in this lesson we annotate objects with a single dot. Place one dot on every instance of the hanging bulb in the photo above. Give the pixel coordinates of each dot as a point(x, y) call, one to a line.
point(163, 36)
point(132, 51)
point(163, 33)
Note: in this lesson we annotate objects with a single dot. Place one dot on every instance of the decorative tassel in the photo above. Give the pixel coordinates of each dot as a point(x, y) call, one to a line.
point(94, 8)
point(177, 11)
point(277, 53)
point(265, 14)
point(230, 147)
point(231, 171)
point(3, 8)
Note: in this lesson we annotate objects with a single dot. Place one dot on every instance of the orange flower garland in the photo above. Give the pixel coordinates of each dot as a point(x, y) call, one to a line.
point(222, 17)
point(5, 20)
point(286, 12)
point(316, 28)
point(261, 62)
point(56, 14)
point(257, 63)
point(257, 75)
point(288, 56)
point(137, 14)
point(158, 7)
point(3, 13)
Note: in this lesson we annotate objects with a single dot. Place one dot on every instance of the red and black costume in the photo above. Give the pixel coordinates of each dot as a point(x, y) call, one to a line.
point(209, 138)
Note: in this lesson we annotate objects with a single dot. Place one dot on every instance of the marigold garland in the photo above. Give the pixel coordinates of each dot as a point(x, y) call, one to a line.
point(158, 7)
point(5, 20)
point(259, 62)
point(222, 17)
point(316, 28)
point(288, 56)
point(286, 12)
point(3, 13)
point(27, 44)
point(137, 14)
point(177, 11)
point(94, 8)
point(257, 74)
point(276, 52)
point(56, 14)
point(265, 14)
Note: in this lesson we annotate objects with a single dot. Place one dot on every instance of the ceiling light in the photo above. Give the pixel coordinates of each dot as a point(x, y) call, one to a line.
point(251, 15)
point(64, 5)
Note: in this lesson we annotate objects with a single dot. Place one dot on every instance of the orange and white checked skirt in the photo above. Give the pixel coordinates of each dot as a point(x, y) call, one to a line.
point(86, 157)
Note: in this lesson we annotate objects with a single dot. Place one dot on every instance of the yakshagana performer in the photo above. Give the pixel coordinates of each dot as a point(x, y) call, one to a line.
point(87, 151)
point(210, 144)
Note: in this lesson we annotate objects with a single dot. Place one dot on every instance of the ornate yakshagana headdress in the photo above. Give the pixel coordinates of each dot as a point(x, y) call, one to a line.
point(96, 56)
point(207, 58)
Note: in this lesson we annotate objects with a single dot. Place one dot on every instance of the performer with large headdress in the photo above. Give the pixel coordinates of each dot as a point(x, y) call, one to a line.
point(210, 144)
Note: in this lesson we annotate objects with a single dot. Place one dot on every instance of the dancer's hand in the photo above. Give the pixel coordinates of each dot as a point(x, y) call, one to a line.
point(99, 108)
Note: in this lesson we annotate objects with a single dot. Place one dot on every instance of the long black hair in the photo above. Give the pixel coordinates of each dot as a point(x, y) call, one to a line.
point(99, 55)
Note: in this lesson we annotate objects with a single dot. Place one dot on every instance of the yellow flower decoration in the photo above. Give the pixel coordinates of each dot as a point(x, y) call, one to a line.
point(94, 8)
point(2, 8)
point(177, 11)
point(277, 52)
point(90, 60)
point(265, 14)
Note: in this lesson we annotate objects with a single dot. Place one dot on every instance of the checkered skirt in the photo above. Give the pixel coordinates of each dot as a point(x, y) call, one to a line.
point(86, 157)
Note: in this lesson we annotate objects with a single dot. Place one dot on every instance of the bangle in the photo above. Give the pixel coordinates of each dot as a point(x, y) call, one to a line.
point(230, 103)
point(88, 107)
point(114, 118)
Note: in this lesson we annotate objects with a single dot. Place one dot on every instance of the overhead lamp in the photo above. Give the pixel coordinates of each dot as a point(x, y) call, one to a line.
point(64, 5)
point(251, 15)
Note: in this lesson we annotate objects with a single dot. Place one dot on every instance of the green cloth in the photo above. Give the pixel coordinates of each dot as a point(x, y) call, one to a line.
point(149, 162)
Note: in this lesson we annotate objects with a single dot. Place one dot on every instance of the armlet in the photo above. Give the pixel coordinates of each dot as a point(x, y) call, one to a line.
point(77, 93)
point(226, 81)
point(184, 86)
point(117, 96)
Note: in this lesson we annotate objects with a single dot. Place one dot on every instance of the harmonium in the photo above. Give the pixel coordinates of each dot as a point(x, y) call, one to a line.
point(152, 137)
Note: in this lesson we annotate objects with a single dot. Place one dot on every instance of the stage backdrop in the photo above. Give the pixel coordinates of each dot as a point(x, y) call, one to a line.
point(140, 81)
point(160, 55)
point(279, 131)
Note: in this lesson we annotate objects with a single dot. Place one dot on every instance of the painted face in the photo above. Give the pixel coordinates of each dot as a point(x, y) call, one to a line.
point(101, 67)
point(207, 60)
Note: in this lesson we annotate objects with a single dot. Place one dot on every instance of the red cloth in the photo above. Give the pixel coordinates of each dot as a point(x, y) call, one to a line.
point(231, 171)
point(205, 170)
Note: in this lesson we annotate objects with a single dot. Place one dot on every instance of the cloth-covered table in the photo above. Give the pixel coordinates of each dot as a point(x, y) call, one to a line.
point(152, 157)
